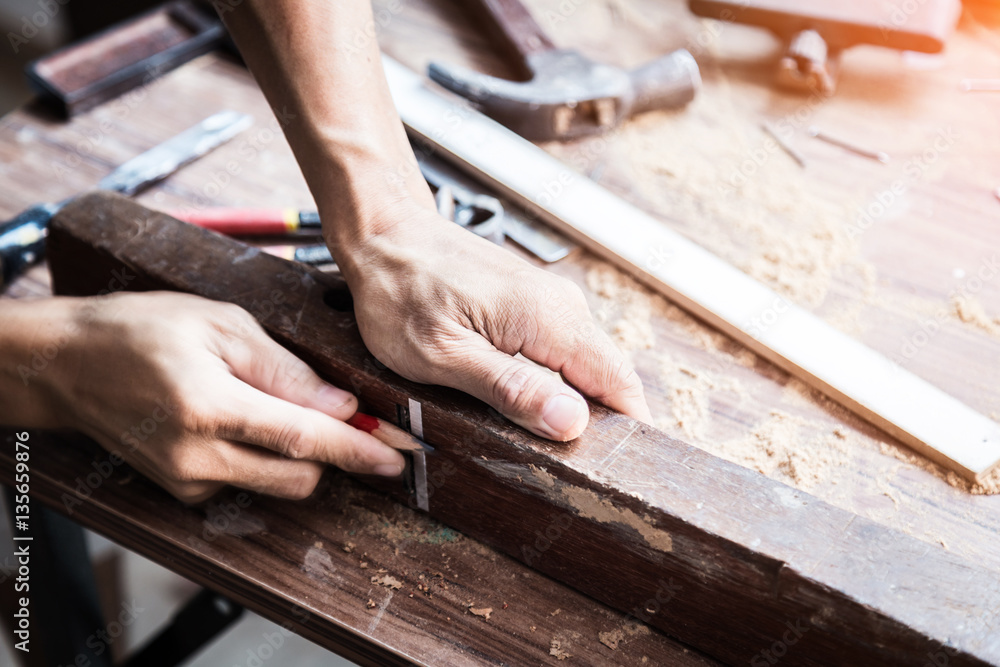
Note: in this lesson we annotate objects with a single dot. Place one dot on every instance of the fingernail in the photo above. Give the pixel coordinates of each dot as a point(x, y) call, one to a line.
point(562, 412)
point(388, 470)
point(334, 396)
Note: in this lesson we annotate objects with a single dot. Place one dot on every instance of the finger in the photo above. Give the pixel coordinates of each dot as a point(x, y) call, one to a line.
point(257, 418)
point(186, 490)
point(266, 365)
point(592, 363)
point(520, 390)
point(264, 471)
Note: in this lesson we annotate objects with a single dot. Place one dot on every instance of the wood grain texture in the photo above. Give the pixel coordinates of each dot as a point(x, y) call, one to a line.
point(624, 513)
point(944, 226)
point(300, 565)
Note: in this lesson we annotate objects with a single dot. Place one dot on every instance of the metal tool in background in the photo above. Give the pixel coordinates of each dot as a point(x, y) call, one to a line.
point(99, 68)
point(533, 235)
point(479, 213)
point(566, 95)
point(459, 197)
point(817, 33)
point(22, 239)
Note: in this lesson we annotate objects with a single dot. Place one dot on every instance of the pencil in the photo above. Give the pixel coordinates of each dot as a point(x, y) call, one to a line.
point(385, 432)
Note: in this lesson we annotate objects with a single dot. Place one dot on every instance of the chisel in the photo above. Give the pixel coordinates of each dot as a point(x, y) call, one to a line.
point(22, 239)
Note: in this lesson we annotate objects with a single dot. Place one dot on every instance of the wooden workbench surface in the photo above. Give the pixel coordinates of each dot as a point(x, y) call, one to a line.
point(889, 280)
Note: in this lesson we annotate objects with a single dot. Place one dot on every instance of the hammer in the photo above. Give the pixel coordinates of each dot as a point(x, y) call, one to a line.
point(566, 95)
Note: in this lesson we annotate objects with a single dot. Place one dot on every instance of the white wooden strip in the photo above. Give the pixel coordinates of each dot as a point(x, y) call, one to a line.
point(909, 408)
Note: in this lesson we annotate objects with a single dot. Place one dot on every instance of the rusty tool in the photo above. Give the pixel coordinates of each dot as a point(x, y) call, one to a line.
point(816, 33)
point(566, 95)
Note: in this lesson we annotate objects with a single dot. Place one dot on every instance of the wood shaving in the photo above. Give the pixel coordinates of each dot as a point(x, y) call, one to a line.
point(387, 581)
point(483, 612)
point(611, 639)
point(556, 649)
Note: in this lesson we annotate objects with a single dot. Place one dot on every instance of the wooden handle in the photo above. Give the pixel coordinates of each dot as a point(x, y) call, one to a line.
point(512, 25)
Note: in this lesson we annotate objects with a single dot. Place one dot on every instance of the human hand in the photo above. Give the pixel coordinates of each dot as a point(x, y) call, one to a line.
point(194, 395)
point(440, 305)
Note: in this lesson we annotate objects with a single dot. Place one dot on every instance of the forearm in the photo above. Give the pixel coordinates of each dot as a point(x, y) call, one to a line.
point(319, 69)
point(33, 335)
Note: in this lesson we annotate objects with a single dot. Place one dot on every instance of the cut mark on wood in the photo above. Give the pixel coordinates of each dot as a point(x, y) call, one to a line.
point(381, 610)
point(613, 455)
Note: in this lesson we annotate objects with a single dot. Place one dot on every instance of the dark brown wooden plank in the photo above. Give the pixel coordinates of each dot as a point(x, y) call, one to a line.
point(632, 513)
point(300, 565)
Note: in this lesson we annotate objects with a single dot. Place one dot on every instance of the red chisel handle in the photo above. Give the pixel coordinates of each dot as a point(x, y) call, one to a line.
point(243, 221)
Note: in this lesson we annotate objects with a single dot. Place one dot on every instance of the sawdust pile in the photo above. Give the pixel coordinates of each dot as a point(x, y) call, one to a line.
point(626, 307)
point(713, 171)
point(786, 446)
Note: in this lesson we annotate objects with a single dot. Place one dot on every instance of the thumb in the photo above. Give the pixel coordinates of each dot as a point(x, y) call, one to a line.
point(520, 390)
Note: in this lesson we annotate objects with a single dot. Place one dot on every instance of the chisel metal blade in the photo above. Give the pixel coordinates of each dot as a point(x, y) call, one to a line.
point(166, 158)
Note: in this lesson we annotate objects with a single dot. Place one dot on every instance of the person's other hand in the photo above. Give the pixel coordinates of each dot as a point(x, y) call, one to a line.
point(195, 395)
point(439, 305)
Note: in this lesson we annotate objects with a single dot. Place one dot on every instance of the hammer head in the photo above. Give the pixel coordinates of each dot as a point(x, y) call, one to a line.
point(571, 96)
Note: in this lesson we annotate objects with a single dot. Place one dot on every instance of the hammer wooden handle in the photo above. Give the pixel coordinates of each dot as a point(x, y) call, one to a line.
point(513, 26)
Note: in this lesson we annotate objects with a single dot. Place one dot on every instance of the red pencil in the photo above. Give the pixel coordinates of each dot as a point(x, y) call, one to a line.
point(391, 435)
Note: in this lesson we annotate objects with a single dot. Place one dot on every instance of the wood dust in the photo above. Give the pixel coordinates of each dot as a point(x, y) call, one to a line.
point(791, 448)
point(712, 170)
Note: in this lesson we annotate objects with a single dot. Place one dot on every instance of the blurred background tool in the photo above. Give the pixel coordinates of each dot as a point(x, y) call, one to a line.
point(22, 240)
point(815, 33)
point(104, 66)
point(564, 94)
